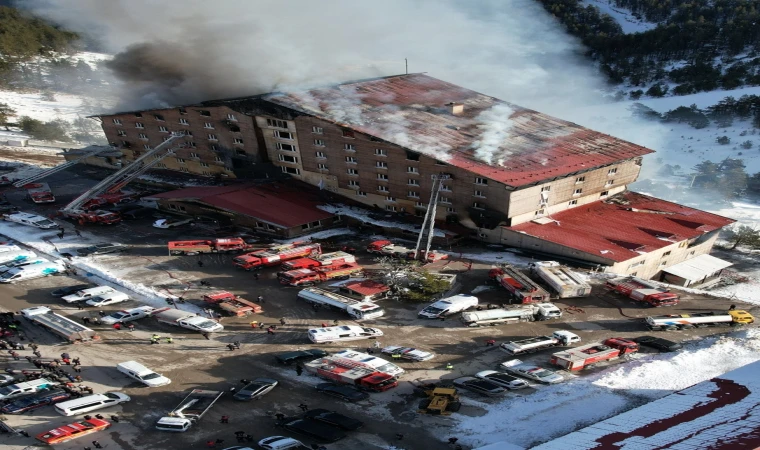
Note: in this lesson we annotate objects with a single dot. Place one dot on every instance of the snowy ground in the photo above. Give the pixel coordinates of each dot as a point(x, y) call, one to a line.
point(558, 409)
point(627, 21)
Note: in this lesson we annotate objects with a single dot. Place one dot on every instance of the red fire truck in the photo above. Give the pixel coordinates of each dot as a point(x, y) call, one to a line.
point(521, 288)
point(275, 255)
point(326, 259)
point(579, 358)
point(233, 304)
point(643, 291)
point(345, 371)
point(39, 193)
point(196, 247)
point(310, 277)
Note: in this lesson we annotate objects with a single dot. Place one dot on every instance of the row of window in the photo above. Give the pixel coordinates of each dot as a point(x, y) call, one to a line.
point(542, 211)
point(211, 137)
point(182, 120)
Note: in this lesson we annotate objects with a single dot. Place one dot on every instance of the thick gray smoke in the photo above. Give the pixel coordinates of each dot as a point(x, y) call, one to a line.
point(181, 52)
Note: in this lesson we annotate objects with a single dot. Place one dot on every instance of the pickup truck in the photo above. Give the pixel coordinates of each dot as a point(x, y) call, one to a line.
point(190, 410)
point(128, 315)
point(191, 321)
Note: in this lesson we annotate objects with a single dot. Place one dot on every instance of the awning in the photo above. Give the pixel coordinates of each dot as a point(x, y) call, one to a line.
point(697, 268)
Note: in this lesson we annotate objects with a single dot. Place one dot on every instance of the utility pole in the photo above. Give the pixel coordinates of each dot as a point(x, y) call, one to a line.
point(406, 63)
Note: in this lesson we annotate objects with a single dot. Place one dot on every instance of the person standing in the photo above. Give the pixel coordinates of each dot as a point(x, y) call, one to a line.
point(224, 419)
point(282, 321)
point(200, 264)
point(304, 407)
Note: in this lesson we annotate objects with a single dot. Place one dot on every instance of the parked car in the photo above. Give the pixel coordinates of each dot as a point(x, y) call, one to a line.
point(334, 419)
point(660, 344)
point(128, 315)
point(277, 443)
point(171, 222)
point(534, 373)
point(139, 213)
point(68, 290)
point(102, 248)
point(299, 355)
point(312, 429)
point(409, 353)
point(344, 392)
point(36, 400)
point(502, 379)
point(108, 299)
point(6, 379)
point(478, 385)
point(255, 389)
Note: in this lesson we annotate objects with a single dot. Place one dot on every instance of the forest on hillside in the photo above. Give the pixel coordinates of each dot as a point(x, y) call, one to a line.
point(697, 45)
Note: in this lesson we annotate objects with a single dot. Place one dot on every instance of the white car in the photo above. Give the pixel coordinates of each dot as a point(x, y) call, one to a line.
point(535, 373)
point(502, 379)
point(280, 443)
point(170, 223)
point(128, 315)
point(409, 353)
point(32, 220)
point(108, 299)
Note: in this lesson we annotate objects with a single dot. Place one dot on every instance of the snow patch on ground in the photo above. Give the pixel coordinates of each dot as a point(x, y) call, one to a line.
point(558, 409)
point(628, 22)
point(495, 257)
point(364, 216)
point(321, 235)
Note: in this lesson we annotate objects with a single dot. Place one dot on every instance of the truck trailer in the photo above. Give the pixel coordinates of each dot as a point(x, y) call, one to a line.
point(310, 277)
point(643, 291)
point(671, 322)
point(565, 282)
point(190, 410)
point(325, 259)
point(359, 310)
point(200, 246)
point(342, 371)
point(185, 319)
point(584, 356)
point(521, 288)
point(275, 256)
point(66, 328)
point(232, 304)
point(526, 313)
point(530, 345)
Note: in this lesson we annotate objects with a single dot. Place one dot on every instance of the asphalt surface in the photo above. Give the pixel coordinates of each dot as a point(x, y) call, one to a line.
point(194, 362)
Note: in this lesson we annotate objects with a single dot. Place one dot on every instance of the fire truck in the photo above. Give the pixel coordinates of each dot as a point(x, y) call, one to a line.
point(521, 288)
point(581, 357)
point(39, 193)
point(233, 304)
point(643, 291)
point(346, 371)
point(275, 255)
point(197, 247)
point(310, 277)
point(326, 259)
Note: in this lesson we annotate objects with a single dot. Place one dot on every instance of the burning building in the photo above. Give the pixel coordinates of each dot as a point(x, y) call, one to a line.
point(514, 175)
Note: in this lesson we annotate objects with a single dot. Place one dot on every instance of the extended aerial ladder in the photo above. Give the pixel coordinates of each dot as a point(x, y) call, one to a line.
point(121, 177)
point(428, 224)
point(58, 168)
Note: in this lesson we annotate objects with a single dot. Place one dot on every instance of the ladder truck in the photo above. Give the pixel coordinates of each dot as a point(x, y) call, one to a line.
point(24, 181)
point(77, 211)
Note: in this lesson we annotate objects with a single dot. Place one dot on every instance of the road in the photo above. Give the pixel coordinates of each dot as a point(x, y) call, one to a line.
point(194, 362)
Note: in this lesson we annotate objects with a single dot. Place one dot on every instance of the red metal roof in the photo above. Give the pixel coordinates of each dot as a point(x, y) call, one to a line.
point(285, 204)
point(624, 226)
point(492, 138)
point(367, 287)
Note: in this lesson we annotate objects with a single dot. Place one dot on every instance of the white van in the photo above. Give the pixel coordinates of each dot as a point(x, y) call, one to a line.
point(343, 333)
point(16, 256)
point(137, 371)
point(86, 294)
point(108, 299)
point(33, 271)
point(8, 266)
point(448, 306)
point(27, 387)
point(90, 403)
point(32, 220)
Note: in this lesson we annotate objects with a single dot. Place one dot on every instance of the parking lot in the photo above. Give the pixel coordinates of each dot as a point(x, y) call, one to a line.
point(194, 362)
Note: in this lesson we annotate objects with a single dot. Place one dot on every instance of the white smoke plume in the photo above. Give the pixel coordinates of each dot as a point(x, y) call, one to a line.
point(495, 125)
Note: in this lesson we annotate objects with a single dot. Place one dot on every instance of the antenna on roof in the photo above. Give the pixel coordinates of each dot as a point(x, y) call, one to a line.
point(406, 63)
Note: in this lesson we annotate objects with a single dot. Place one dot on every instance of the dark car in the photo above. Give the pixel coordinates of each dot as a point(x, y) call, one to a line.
point(299, 355)
point(6, 207)
point(312, 429)
point(660, 344)
point(68, 290)
point(34, 401)
point(102, 249)
point(345, 393)
point(478, 385)
point(334, 419)
point(139, 213)
point(255, 389)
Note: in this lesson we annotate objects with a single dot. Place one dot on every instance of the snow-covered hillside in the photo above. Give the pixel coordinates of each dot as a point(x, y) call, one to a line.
point(628, 22)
